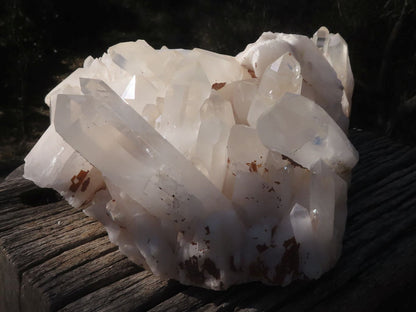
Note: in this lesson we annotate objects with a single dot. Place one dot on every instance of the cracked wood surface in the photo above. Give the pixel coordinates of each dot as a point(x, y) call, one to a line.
point(54, 258)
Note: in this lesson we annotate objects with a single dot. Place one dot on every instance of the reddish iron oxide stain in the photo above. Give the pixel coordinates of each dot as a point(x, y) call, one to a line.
point(252, 74)
point(85, 184)
point(218, 85)
point(196, 274)
point(76, 181)
point(290, 261)
point(252, 166)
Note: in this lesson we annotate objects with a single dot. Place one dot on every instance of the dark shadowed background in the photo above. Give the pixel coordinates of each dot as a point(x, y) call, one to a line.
point(43, 41)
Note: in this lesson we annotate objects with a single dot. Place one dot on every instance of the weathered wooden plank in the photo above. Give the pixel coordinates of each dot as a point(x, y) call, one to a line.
point(9, 284)
point(46, 242)
point(10, 192)
point(228, 300)
point(397, 178)
point(32, 230)
point(72, 284)
point(188, 300)
point(69, 260)
point(56, 266)
point(29, 216)
point(54, 257)
point(14, 212)
point(140, 291)
point(393, 269)
point(18, 196)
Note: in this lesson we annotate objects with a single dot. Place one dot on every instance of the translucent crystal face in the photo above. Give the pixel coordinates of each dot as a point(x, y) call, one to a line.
point(210, 169)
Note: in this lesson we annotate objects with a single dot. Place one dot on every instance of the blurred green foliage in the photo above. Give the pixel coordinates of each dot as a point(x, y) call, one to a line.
point(43, 41)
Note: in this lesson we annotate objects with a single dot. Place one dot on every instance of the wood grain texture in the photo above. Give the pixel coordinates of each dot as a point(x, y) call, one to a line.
point(54, 258)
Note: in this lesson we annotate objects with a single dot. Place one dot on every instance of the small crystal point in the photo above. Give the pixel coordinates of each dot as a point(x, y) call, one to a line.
point(282, 76)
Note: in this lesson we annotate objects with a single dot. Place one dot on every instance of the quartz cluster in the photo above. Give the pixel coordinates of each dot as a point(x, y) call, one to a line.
point(206, 168)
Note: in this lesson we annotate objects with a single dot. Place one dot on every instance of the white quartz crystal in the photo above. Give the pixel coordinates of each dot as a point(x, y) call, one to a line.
point(206, 168)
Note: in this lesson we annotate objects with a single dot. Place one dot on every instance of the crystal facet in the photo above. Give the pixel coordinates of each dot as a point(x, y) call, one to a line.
point(206, 168)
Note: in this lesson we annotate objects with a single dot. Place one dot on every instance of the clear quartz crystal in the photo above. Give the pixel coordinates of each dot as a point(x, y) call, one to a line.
point(281, 76)
point(302, 130)
point(335, 50)
point(206, 168)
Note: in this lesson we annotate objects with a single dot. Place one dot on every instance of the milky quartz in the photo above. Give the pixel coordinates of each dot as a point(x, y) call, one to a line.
point(206, 168)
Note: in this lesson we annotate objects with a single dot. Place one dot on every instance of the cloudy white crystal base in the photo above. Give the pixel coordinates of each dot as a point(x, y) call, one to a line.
point(206, 168)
